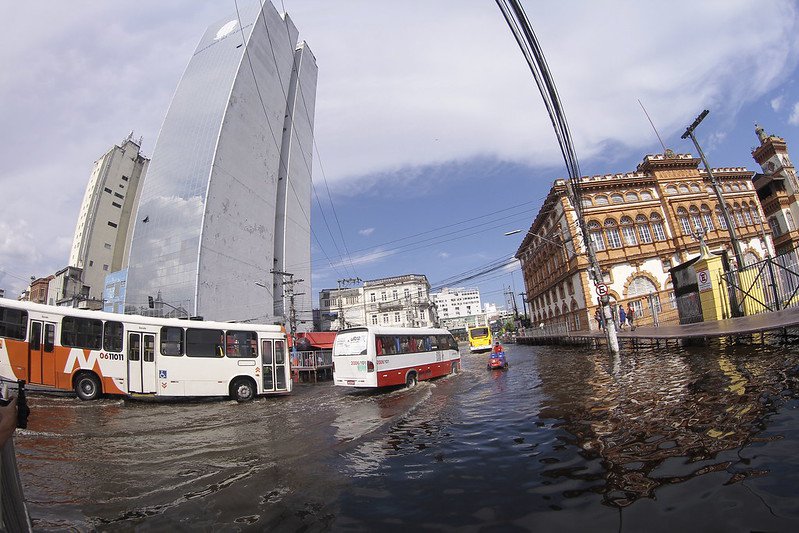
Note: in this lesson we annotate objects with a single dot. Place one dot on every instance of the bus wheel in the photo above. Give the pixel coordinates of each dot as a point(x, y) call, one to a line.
point(242, 390)
point(87, 386)
point(454, 369)
point(411, 381)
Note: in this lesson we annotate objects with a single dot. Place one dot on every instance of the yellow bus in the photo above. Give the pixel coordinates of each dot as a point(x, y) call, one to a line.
point(479, 339)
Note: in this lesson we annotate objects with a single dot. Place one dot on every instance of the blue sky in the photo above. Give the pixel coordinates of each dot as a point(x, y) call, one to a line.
point(426, 113)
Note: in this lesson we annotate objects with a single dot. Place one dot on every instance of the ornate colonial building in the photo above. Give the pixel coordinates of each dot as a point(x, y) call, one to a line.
point(778, 190)
point(642, 223)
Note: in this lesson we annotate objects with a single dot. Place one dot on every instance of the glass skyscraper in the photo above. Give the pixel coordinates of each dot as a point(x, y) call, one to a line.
point(226, 198)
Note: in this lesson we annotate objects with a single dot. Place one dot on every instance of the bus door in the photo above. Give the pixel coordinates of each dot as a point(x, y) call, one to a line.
point(274, 357)
point(41, 353)
point(141, 362)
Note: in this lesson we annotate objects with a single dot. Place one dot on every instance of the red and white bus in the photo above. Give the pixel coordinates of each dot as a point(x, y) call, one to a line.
point(375, 356)
point(96, 353)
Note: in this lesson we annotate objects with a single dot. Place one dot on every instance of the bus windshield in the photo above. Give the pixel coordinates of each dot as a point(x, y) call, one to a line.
point(351, 343)
point(479, 332)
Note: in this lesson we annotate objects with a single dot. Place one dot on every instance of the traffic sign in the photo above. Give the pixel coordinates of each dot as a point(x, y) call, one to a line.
point(601, 289)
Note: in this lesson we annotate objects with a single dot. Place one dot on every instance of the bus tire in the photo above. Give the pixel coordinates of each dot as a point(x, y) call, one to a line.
point(411, 380)
point(454, 369)
point(242, 390)
point(87, 386)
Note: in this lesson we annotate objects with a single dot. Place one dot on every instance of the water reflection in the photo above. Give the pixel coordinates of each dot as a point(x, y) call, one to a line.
point(656, 419)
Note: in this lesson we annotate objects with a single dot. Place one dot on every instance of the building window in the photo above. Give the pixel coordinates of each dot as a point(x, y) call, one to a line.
point(595, 234)
point(720, 217)
point(373, 297)
point(789, 221)
point(671, 189)
point(383, 295)
point(107, 246)
point(695, 219)
point(385, 318)
point(612, 233)
point(374, 320)
point(631, 197)
point(657, 227)
point(738, 216)
point(616, 199)
point(125, 178)
point(682, 217)
point(695, 188)
point(396, 317)
point(105, 267)
point(116, 204)
point(601, 200)
point(646, 195)
point(643, 229)
point(707, 217)
point(119, 195)
point(628, 230)
point(754, 212)
point(106, 189)
point(112, 224)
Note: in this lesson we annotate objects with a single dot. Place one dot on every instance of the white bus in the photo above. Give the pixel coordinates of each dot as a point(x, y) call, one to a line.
point(375, 356)
point(96, 353)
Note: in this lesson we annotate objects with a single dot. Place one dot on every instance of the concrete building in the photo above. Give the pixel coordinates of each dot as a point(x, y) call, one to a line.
point(102, 233)
point(778, 190)
point(227, 197)
point(642, 223)
point(458, 308)
point(400, 301)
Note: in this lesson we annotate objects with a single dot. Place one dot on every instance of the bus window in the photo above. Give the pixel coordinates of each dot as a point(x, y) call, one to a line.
point(171, 341)
point(13, 323)
point(112, 337)
point(204, 342)
point(241, 344)
point(86, 333)
point(149, 348)
point(49, 337)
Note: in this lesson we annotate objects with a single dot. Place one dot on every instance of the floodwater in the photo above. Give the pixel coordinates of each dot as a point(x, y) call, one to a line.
point(701, 439)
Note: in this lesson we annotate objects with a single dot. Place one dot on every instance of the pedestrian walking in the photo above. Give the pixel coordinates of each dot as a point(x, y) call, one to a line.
point(598, 317)
point(622, 317)
point(631, 316)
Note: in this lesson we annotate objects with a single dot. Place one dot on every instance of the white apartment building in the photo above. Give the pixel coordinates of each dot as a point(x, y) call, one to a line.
point(102, 233)
point(400, 301)
point(459, 308)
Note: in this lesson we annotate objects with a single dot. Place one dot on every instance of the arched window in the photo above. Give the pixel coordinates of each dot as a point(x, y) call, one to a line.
point(739, 218)
point(695, 188)
point(731, 213)
point(628, 230)
point(750, 258)
point(631, 197)
point(595, 234)
point(616, 199)
point(682, 217)
point(746, 214)
point(671, 189)
point(720, 218)
point(683, 188)
point(641, 288)
point(789, 221)
point(726, 187)
point(707, 217)
point(695, 220)
point(644, 234)
point(587, 202)
point(601, 200)
point(657, 227)
point(646, 195)
point(754, 212)
point(736, 187)
point(612, 234)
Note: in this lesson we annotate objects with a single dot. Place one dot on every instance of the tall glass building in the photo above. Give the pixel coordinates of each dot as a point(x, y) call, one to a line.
point(226, 199)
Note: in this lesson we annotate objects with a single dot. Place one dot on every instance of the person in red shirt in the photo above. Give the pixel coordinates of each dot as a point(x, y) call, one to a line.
point(498, 347)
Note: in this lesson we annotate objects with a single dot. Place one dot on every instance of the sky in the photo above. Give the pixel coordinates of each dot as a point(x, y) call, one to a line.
point(431, 138)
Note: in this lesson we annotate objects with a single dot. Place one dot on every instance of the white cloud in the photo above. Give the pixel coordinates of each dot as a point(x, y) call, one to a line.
point(794, 118)
point(443, 255)
point(366, 231)
point(370, 257)
point(776, 103)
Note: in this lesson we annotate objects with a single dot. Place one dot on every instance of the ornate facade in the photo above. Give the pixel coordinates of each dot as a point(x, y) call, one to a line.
point(641, 223)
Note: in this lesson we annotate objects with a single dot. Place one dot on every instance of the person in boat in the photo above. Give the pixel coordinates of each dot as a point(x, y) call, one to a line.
point(498, 348)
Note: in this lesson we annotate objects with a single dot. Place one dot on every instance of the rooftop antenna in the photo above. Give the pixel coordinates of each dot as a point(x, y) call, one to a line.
point(653, 125)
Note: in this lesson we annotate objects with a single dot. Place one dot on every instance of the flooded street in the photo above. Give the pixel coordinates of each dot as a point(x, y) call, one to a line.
point(567, 439)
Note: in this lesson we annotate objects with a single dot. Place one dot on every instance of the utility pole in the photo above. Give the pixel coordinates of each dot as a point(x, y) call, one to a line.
point(522, 30)
point(341, 283)
point(288, 290)
point(736, 245)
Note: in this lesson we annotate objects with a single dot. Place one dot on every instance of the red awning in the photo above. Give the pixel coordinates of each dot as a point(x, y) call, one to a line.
point(322, 340)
